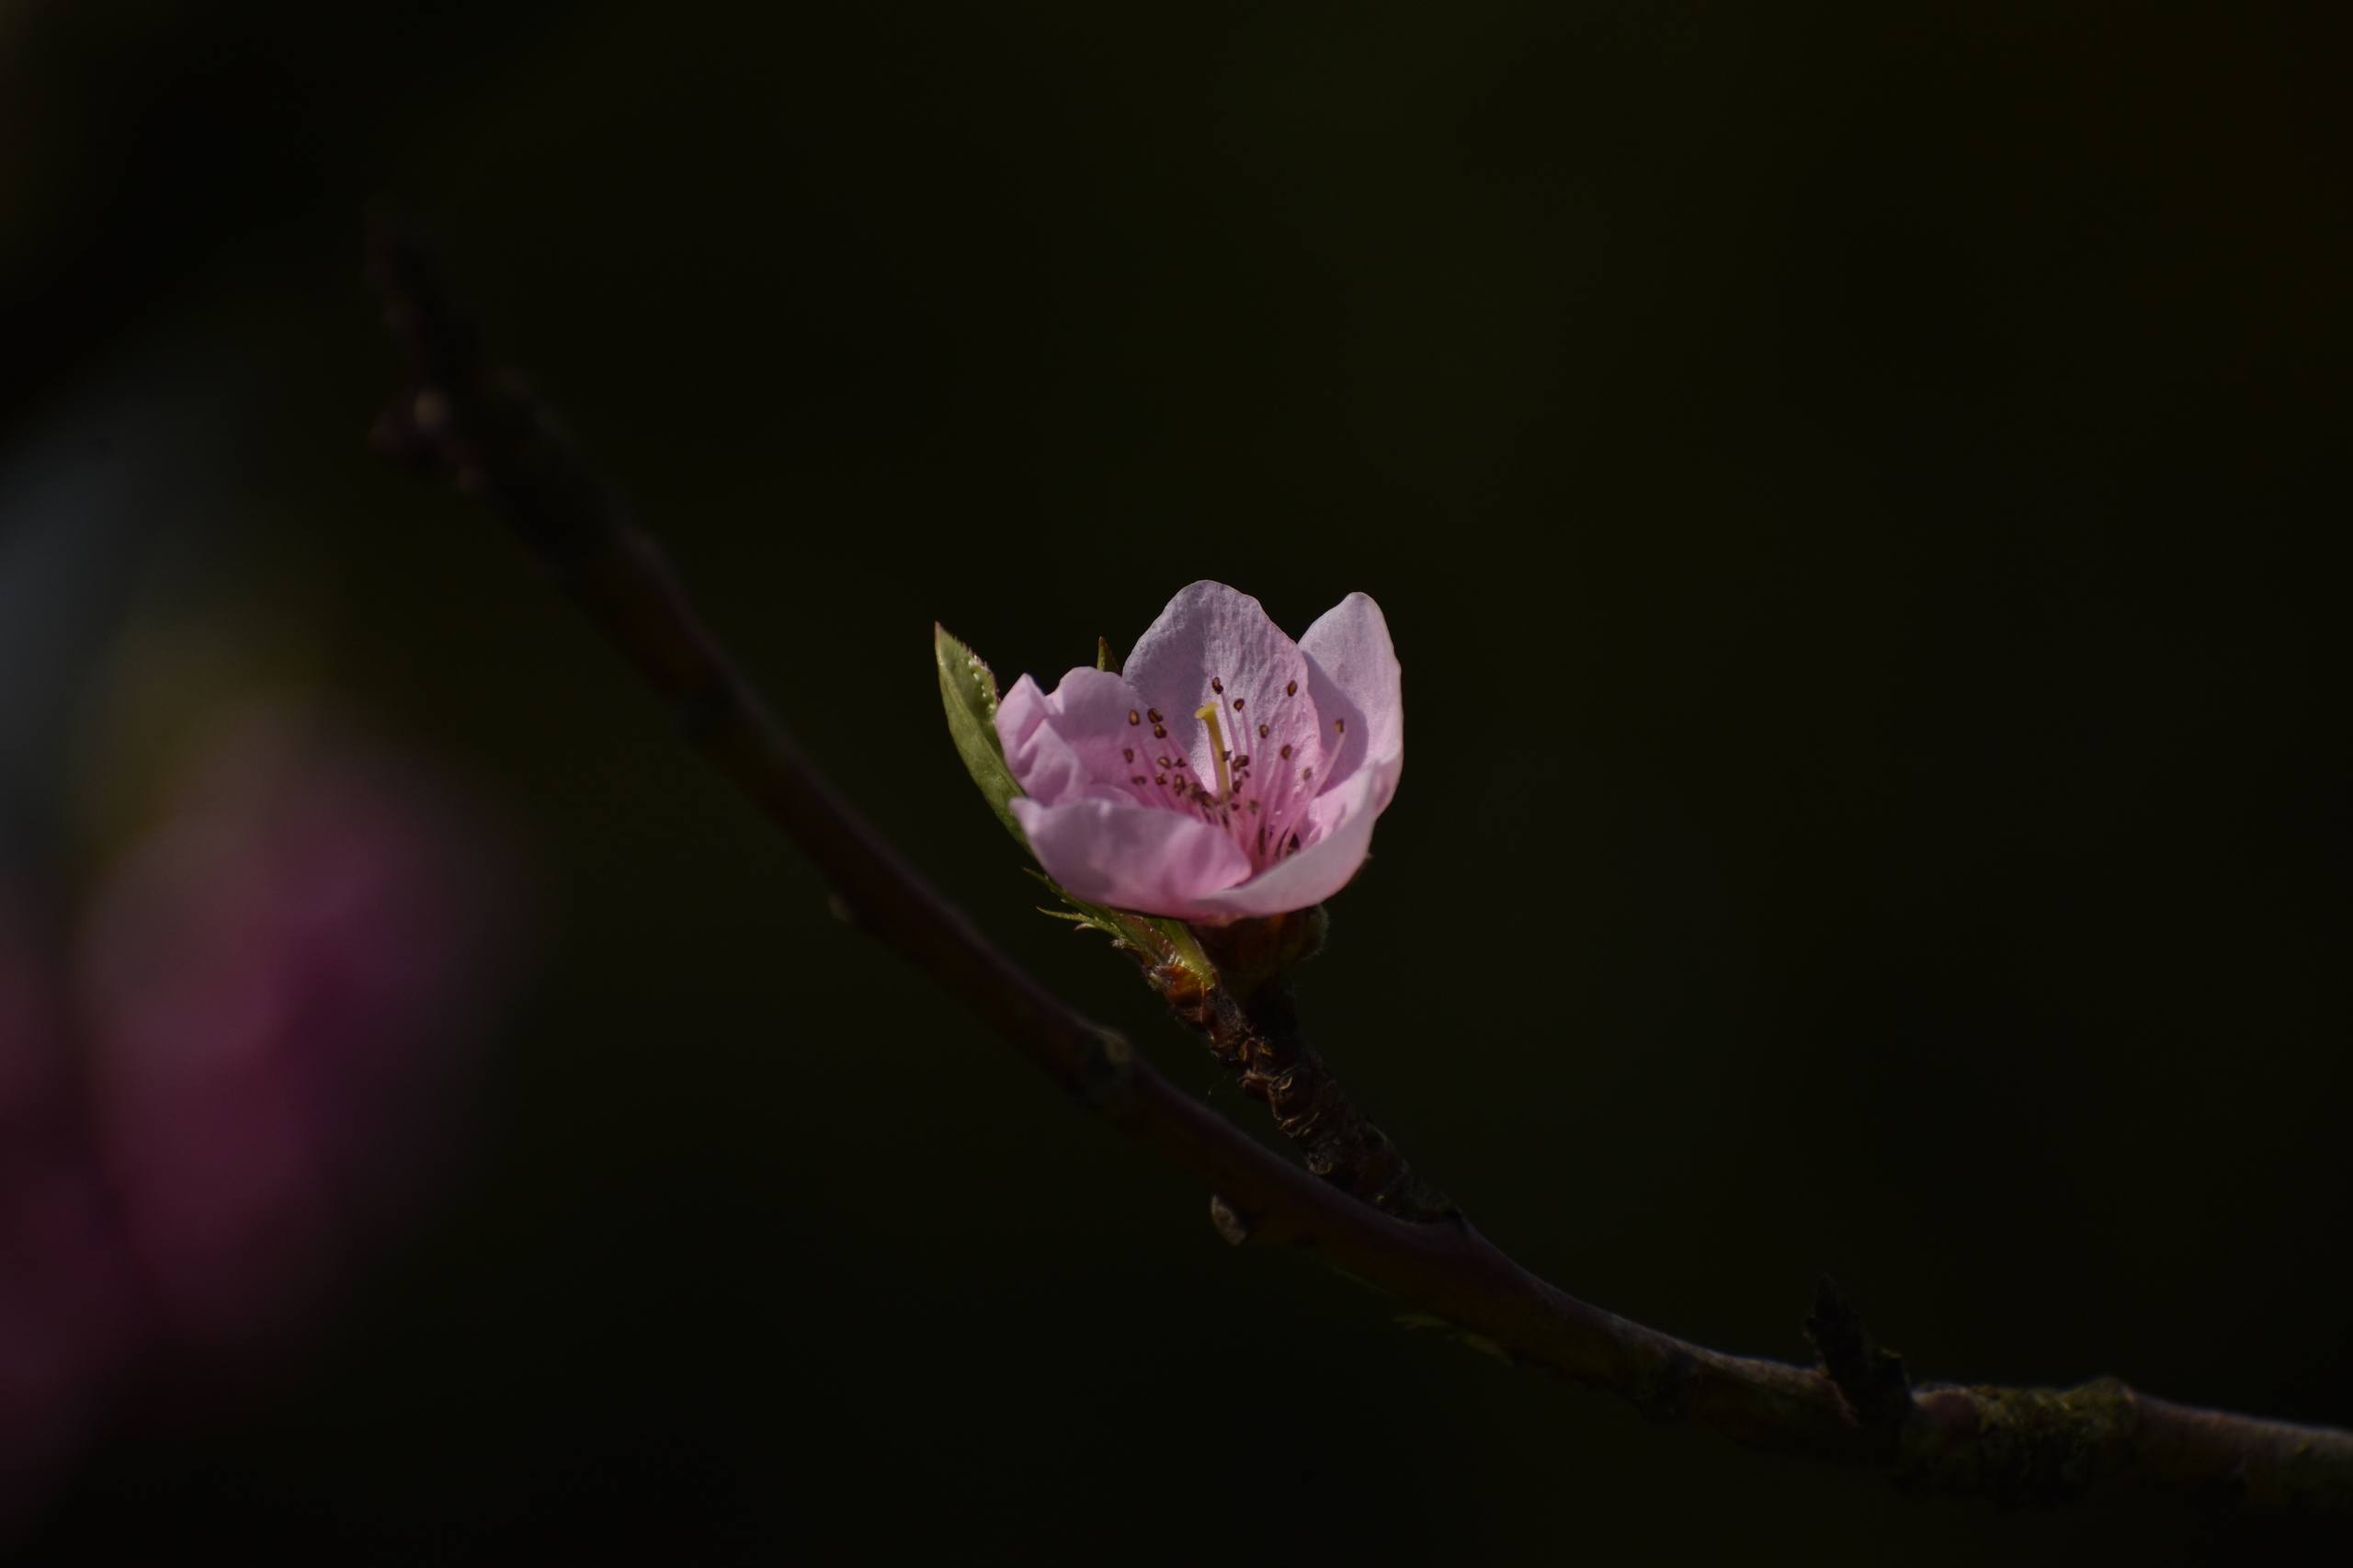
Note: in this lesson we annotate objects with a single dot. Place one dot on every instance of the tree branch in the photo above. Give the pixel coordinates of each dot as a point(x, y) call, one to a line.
point(1257, 1035)
point(471, 420)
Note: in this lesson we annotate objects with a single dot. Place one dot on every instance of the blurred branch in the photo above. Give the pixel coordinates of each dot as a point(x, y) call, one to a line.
point(466, 417)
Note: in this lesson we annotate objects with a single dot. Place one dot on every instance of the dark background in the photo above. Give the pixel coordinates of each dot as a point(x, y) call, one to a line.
point(1848, 485)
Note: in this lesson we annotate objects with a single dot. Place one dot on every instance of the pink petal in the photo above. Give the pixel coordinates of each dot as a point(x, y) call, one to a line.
point(1068, 746)
point(1346, 816)
point(1353, 673)
point(1210, 633)
point(1132, 857)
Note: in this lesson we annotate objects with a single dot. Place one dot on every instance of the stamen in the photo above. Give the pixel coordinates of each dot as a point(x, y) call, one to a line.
point(1134, 717)
point(1265, 730)
point(1291, 688)
point(1339, 726)
point(1217, 747)
point(1217, 686)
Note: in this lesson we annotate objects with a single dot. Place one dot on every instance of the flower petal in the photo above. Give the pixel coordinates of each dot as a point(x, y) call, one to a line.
point(1346, 815)
point(1210, 634)
point(1353, 670)
point(1068, 746)
point(1132, 857)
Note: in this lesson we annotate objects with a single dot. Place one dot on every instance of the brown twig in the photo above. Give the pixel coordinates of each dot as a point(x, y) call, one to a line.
point(1871, 1379)
point(463, 417)
point(1258, 1037)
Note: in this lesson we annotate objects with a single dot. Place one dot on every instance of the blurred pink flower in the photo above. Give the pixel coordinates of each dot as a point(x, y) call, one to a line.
point(274, 996)
point(70, 1308)
point(1229, 772)
point(278, 986)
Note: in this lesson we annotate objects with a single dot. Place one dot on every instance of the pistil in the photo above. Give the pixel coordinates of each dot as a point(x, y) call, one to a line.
point(1217, 749)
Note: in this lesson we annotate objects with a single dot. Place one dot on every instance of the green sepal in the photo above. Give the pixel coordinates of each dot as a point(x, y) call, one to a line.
point(1103, 659)
point(1165, 938)
point(968, 692)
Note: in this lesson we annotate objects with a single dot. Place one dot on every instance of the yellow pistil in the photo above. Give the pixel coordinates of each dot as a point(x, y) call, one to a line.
point(1217, 749)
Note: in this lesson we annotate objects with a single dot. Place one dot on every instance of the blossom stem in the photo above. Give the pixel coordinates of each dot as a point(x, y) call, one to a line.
point(1258, 1036)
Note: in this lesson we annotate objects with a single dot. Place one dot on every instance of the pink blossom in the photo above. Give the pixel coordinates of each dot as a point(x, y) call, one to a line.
point(276, 984)
point(1228, 773)
point(243, 1070)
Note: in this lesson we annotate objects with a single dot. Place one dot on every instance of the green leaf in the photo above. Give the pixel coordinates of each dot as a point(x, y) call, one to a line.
point(1167, 939)
point(968, 692)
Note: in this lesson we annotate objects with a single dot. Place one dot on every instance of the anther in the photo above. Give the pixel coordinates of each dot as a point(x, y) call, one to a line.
point(1265, 730)
point(1134, 717)
point(1291, 690)
point(1128, 754)
point(1162, 760)
point(1305, 774)
point(1339, 726)
point(1139, 778)
point(1285, 754)
point(1153, 714)
point(1237, 705)
point(1217, 686)
point(1160, 732)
